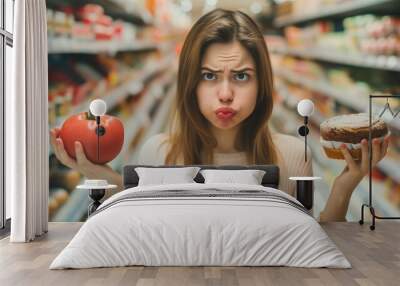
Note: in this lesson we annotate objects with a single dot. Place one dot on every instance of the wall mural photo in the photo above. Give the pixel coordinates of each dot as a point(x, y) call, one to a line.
point(156, 83)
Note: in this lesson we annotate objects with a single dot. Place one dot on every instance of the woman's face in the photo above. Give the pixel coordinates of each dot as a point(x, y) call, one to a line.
point(227, 91)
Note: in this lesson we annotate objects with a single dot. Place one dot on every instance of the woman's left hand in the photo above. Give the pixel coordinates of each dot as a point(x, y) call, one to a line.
point(354, 172)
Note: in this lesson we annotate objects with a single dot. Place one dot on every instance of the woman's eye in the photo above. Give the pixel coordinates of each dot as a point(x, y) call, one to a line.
point(209, 76)
point(241, 76)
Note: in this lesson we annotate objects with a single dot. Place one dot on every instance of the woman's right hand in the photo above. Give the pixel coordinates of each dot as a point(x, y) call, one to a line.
point(81, 163)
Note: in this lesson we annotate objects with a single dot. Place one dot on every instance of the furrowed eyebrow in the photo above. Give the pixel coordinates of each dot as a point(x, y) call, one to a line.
point(234, 71)
point(243, 70)
point(211, 70)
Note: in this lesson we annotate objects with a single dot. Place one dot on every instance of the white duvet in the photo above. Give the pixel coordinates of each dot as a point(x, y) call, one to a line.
point(182, 231)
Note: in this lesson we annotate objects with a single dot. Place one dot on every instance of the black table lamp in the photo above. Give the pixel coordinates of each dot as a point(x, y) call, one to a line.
point(304, 185)
point(305, 108)
point(98, 108)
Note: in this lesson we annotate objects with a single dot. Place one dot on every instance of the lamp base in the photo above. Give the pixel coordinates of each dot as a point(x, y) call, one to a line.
point(305, 191)
point(96, 195)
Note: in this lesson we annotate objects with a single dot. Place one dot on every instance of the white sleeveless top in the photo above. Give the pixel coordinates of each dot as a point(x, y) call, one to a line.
point(290, 158)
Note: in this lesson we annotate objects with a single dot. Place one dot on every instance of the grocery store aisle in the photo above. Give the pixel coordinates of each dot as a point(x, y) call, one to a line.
point(128, 59)
point(336, 53)
point(375, 259)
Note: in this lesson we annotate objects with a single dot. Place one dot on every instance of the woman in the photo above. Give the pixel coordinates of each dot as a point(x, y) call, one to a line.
point(223, 104)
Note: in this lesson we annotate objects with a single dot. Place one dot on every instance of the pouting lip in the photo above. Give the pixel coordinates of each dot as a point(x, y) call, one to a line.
point(225, 110)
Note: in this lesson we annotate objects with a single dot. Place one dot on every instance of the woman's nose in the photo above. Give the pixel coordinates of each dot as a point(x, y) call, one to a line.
point(225, 92)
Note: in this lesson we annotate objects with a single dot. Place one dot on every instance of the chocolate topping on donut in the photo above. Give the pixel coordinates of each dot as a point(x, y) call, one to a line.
point(352, 128)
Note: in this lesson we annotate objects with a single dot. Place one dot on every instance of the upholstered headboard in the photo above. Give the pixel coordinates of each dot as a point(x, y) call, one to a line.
point(270, 179)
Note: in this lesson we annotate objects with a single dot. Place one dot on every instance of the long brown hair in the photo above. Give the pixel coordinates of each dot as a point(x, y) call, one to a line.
point(189, 138)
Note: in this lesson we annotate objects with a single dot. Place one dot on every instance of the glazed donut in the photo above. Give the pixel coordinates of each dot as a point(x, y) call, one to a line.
point(349, 129)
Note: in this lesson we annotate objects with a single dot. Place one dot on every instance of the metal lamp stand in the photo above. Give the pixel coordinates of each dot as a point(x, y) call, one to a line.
point(369, 205)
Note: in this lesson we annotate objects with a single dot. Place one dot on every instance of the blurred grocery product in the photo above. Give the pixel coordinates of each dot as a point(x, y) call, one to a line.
point(337, 53)
point(117, 52)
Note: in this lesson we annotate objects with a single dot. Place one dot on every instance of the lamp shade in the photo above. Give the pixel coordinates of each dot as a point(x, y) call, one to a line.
point(305, 107)
point(98, 107)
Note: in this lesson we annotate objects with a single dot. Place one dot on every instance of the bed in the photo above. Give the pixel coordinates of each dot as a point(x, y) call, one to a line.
point(201, 224)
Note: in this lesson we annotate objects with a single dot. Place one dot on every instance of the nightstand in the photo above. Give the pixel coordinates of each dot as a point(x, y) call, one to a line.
point(305, 191)
point(97, 190)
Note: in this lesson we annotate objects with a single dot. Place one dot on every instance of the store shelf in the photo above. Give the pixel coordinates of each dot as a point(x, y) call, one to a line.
point(292, 101)
point(356, 101)
point(345, 97)
point(390, 167)
point(379, 202)
point(335, 167)
point(138, 119)
point(66, 45)
point(388, 63)
point(348, 8)
point(323, 187)
point(158, 123)
point(119, 93)
point(132, 126)
point(75, 207)
point(321, 166)
point(111, 8)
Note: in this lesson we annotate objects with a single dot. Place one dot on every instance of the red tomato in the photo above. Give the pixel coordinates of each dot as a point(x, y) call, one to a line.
point(82, 128)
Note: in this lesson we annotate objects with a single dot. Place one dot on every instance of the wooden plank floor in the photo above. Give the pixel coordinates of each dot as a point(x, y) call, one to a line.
point(375, 257)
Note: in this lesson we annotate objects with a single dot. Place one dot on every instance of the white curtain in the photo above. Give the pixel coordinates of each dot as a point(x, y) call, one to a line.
point(27, 167)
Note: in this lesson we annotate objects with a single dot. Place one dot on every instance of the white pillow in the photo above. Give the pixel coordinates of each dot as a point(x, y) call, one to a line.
point(249, 177)
point(162, 176)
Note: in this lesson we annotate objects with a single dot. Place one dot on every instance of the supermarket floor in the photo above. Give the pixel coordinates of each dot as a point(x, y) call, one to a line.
point(374, 255)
